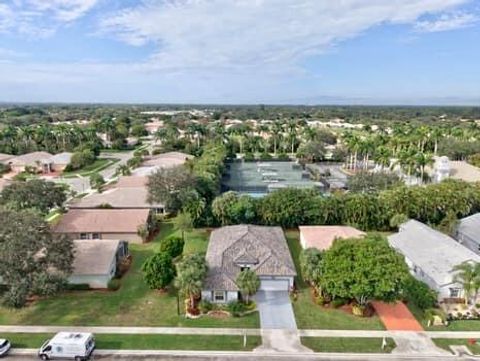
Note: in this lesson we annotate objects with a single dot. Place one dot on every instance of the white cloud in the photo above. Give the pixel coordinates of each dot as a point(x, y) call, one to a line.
point(41, 18)
point(243, 33)
point(447, 22)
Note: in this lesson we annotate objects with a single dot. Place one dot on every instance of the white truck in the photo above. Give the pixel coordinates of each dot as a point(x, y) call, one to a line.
point(74, 345)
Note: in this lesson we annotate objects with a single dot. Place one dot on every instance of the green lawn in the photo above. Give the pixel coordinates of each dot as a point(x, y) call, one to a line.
point(97, 166)
point(149, 342)
point(446, 342)
point(348, 344)
point(134, 304)
point(312, 316)
point(459, 325)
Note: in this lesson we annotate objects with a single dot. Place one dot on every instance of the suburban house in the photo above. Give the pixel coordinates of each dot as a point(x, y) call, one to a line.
point(164, 160)
point(431, 256)
point(96, 262)
point(322, 237)
point(104, 224)
point(468, 232)
point(234, 248)
point(40, 161)
point(4, 158)
point(125, 198)
point(60, 161)
point(131, 182)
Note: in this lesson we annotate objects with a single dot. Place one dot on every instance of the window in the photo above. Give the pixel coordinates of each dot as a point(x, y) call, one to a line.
point(454, 292)
point(96, 236)
point(83, 236)
point(244, 267)
point(218, 296)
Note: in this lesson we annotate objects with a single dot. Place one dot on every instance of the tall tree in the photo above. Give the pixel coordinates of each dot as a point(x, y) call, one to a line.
point(37, 193)
point(191, 271)
point(363, 269)
point(33, 261)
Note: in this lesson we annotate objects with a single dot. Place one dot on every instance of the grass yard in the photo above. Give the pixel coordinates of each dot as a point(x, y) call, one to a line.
point(445, 343)
point(134, 304)
point(97, 166)
point(459, 325)
point(312, 316)
point(348, 344)
point(149, 342)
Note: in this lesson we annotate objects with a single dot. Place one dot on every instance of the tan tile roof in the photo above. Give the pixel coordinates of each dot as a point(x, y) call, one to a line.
point(132, 182)
point(102, 220)
point(166, 160)
point(31, 158)
point(322, 237)
point(266, 247)
point(94, 257)
point(5, 157)
point(126, 198)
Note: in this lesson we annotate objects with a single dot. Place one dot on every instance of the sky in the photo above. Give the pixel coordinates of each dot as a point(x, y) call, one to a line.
point(241, 51)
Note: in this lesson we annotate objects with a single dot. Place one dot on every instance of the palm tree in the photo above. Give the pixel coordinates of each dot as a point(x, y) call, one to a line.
point(248, 282)
point(468, 275)
point(382, 157)
point(291, 128)
point(276, 131)
point(422, 161)
point(191, 271)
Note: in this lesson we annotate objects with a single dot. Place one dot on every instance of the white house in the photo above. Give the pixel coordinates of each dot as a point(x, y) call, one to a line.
point(468, 232)
point(431, 256)
point(96, 261)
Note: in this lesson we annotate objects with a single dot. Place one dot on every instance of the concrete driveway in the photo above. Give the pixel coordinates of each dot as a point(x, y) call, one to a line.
point(275, 310)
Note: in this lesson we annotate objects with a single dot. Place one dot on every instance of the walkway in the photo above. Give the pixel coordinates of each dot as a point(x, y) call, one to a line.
point(396, 317)
point(279, 329)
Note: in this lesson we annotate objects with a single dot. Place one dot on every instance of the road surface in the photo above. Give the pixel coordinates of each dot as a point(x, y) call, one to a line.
point(256, 357)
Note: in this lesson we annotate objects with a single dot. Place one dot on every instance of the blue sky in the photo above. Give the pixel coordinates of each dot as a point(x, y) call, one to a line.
point(241, 51)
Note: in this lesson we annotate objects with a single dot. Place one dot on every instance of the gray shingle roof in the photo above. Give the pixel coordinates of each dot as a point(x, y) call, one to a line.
point(470, 227)
point(434, 252)
point(265, 248)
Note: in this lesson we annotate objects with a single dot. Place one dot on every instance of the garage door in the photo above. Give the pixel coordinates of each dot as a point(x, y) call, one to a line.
point(274, 285)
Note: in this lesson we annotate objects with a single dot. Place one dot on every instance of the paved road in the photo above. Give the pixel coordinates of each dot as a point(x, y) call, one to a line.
point(246, 357)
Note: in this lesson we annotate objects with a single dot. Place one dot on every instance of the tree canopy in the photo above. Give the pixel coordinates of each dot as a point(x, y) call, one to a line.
point(363, 269)
point(37, 194)
point(158, 270)
point(32, 260)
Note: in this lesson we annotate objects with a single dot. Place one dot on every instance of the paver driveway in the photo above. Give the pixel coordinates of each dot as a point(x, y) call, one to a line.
point(275, 310)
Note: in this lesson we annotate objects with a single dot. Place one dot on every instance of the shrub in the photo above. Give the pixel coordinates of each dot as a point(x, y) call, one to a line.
point(338, 302)
point(79, 287)
point(15, 297)
point(249, 157)
point(173, 246)
point(204, 306)
point(113, 284)
point(158, 270)
point(419, 293)
point(236, 308)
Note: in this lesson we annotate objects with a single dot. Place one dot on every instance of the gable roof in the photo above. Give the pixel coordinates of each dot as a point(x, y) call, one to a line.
point(31, 158)
point(470, 227)
point(434, 252)
point(264, 248)
point(167, 160)
point(322, 237)
point(102, 221)
point(132, 182)
point(126, 198)
point(62, 158)
point(5, 157)
point(94, 257)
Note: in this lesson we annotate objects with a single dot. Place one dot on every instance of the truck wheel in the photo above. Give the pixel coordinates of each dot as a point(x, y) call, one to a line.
point(44, 357)
point(78, 358)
